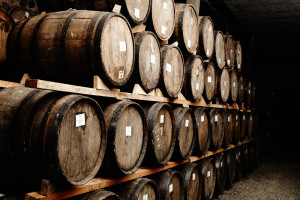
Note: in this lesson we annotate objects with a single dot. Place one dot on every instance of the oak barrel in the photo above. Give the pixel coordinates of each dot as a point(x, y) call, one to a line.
point(162, 19)
point(229, 51)
point(228, 127)
point(172, 66)
point(185, 130)
point(222, 85)
point(244, 128)
point(206, 37)
point(193, 84)
point(245, 158)
point(248, 92)
point(101, 194)
point(203, 133)
point(253, 98)
point(210, 81)
point(250, 124)
point(161, 129)
point(192, 182)
point(219, 53)
point(238, 55)
point(241, 89)
point(17, 13)
point(239, 164)
point(208, 176)
point(170, 184)
point(251, 158)
point(217, 124)
point(147, 60)
point(221, 174)
point(234, 87)
point(72, 46)
point(230, 167)
point(237, 127)
point(7, 23)
point(186, 30)
point(127, 138)
point(140, 189)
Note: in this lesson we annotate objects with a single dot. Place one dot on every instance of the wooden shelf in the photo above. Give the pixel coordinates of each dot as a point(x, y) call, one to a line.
point(99, 182)
point(6, 84)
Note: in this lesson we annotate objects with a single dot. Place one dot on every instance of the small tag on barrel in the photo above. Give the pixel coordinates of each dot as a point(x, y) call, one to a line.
point(80, 120)
point(117, 9)
point(170, 188)
point(128, 131)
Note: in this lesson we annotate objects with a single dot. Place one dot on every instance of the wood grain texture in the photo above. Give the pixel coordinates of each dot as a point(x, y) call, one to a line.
point(192, 181)
point(210, 81)
point(230, 51)
point(221, 175)
point(209, 178)
point(101, 194)
point(219, 53)
point(222, 85)
point(228, 127)
point(237, 127)
point(238, 56)
point(217, 124)
point(241, 90)
point(234, 86)
point(206, 37)
point(203, 134)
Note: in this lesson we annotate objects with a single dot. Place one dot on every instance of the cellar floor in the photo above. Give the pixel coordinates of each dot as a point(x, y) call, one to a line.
point(277, 177)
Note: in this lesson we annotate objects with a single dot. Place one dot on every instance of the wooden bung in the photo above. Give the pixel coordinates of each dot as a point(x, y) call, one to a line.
point(185, 130)
point(210, 81)
point(221, 175)
point(209, 178)
point(206, 37)
point(72, 46)
point(141, 188)
point(186, 30)
point(238, 55)
point(219, 53)
point(127, 138)
point(172, 66)
point(192, 181)
point(161, 129)
point(229, 51)
point(217, 133)
point(203, 133)
point(193, 84)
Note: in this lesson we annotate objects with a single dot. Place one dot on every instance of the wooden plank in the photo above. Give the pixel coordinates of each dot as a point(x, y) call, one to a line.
point(7, 84)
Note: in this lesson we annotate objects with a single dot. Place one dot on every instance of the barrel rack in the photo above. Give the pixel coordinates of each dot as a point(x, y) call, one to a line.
point(50, 192)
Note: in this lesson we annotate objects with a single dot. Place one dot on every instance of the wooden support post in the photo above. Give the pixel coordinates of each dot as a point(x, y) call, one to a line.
point(99, 84)
point(139, 28)
point(137, 89)
point(24, 78)
point(48, 188)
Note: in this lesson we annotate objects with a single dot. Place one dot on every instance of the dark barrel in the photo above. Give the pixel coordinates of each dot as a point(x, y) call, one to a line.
point(250, 124)
point(208, 175)
point(221, 174)
point(228, 127)
point(101, 194)
point(239, 163)
point(217, 128)
point(238, 56)
point(229, 51)
point(241, 89)
point(17, 13)
point(234, 87)
point(192, 181)
point(203, 133)
point(127, 138)
point(161, 129)
point(244, 128)
point(230, 166)
point(237, 126)
point(7, 23)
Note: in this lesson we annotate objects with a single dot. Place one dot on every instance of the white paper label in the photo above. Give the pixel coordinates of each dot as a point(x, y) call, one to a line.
point(194, 176)
point(239, 65)
point(250, 118)
point(209, 79)
point(152, 59)
point(122, 45)
point(163, 30)
point(165, 5)
point(121, 74)
point(197, 86)
point(249, 91)
point(225, 83)
point(169, 67)
point(208, 174)
point(128, 131)
point(242, 87)
point(207, 52)
point(228, 119)
point(244, 117)
point(216, 118)
point(80, 120)
point(145, 197)
point(221, 164)
point(228, 62)
point(137, 13)
point(239, 51)
point(210, 28)
point(162, 119)
point(237, 117)
point(189, 43)
point(170, 188)
point(27, 14)
point(220, 61)
point(187, 123)
point(233, 83)
point(223, 92)
point(202, 118)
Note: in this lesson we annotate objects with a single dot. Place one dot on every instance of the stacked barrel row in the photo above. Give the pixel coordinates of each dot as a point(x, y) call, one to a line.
point(68, 139)
point(71, 46)
point(205, 179)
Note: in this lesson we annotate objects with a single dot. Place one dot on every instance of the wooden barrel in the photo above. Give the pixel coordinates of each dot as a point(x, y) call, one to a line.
point(250, 124)
point(70, 115)
point(237, 127)
point(170, 185)
point(248, 92)
point(209, 178)
point(230, 167)
point(221, 173)
point(253, 98)
point(245, 159)
point(234, 86)
point(127, 138)
point(192, 182)
point(162, 19)
point(219, 53)
point(193, 84)
point(243, 134)
point(238, 56)
point(147, 60)
point(17, 13)
point(222, 85)
point(251, 158)
point(185, 130)
point(241, 89)
point(229, 51)
point(7, 23)
point(72, 46)
point(239, 164)
point(206, 37)
point(186, 30)
point(228, 127)
point(210, 83)
point(161, 129)
point(203, 134)
point(217, 127)
point(101, 194)
point(172, 66)
point(140, 188)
